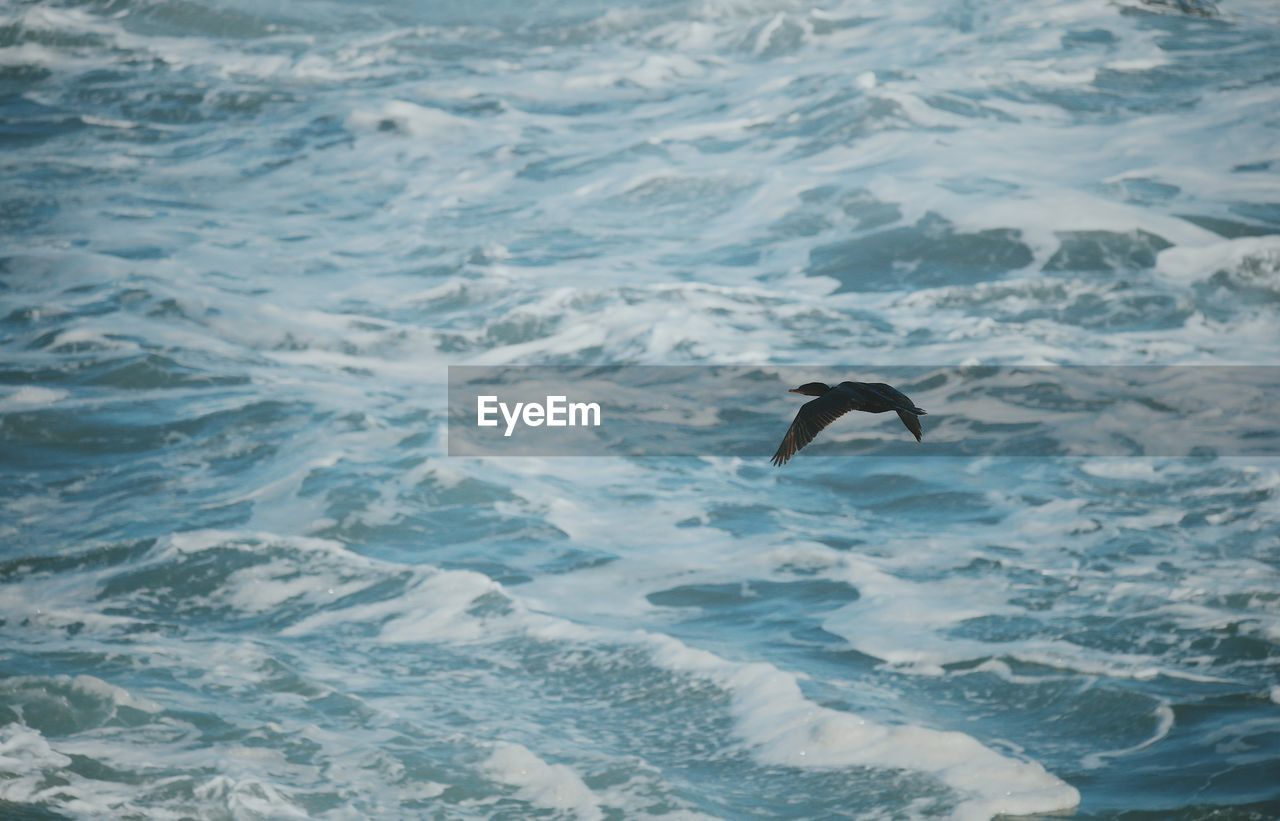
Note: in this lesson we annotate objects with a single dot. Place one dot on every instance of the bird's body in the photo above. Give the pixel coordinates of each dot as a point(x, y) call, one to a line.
point(832, 403)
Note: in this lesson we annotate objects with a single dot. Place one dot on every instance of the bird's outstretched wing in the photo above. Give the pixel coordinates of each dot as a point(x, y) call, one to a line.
point(812, 418)
point(893, 397)
point(912, 422)
point(890, 398)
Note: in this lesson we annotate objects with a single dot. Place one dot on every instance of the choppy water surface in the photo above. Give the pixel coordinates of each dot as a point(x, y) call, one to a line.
point(240, 243)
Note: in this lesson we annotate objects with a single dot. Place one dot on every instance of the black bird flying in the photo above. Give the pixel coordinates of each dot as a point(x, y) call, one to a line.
point(832, 403)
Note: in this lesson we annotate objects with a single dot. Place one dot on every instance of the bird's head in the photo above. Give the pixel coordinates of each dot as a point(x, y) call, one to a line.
point(811, 389)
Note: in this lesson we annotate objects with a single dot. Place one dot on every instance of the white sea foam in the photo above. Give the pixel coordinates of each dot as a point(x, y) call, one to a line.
point(1251, 261)
point(118, 696)
point(771, 714)
point(434, 608)
point(30, 398)
point(1120, 468)
point(784, 728)
point(24, 751)
point(1164, 723)
point(248, 796)
point(262, 588)
point(412, 119)
point(551, 786)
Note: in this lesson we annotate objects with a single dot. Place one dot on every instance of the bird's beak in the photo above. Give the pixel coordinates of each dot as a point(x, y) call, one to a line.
point(794, 390)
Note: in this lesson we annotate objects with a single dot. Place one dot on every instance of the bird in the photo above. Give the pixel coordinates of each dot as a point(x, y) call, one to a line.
point(832, 403)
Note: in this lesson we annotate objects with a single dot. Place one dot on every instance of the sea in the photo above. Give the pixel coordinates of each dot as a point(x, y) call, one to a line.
point(242, 242)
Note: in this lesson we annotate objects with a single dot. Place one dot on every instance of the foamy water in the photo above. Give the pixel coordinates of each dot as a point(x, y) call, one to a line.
point(241, 243)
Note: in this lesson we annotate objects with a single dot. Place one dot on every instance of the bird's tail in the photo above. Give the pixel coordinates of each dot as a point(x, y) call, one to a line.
point(912, 422)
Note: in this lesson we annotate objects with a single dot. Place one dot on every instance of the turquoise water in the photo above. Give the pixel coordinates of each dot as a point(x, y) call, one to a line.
point(240, 244)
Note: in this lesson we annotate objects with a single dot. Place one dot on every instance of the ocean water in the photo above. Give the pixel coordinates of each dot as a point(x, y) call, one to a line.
point(241, 243)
